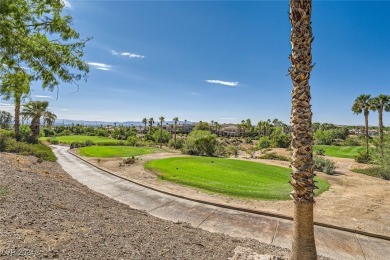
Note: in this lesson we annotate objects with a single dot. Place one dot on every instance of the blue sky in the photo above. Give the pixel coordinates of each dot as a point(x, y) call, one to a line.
point(221, 61)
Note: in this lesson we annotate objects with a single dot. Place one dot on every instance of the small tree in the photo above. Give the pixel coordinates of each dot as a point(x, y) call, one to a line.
point(35, 110)
point(5, 119)
point(161, 129)
point(363, 104)
point(175, 120)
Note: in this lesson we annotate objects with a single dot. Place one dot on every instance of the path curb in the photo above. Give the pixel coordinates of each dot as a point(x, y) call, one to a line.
point(257, 212)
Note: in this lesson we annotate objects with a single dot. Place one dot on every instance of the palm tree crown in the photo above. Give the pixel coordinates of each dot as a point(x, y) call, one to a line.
point(35, 110)
point(363, 104)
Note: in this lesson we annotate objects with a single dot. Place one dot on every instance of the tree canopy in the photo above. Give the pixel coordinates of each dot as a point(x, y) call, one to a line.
point(36, 37)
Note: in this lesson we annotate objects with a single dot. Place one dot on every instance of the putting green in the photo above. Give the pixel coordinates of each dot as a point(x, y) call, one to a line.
point(115, 151)
point(340, 151)
point(231, 177)
point(68, 139)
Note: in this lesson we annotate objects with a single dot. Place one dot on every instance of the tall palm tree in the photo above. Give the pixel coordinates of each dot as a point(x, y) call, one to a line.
point(175, 120)
point(16, 86)
point(35, 110)
point(381, 103)
point(161, 118)
point(151, 122)
point(144, 121)
point(302, 176)
point(363, 104)
point(185, 122)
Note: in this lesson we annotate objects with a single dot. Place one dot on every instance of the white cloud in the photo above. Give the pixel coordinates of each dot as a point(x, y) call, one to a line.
point(64, 109)
point(100, 66)
point(42, 96)
point(66, 3)
point(128, 54)
point(225, 83)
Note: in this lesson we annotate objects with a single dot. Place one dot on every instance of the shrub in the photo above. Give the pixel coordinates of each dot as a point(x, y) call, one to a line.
point(132, 140)
point(264, 142)
point(324, 165)
point(363, 157)
point(232, 150)
point(351, 142)
point(274, 156)
point(165, 136)
point(200, 142)
point(53, 141)
point(77, 145)
point(179, 143)
point(38, 150)
point(375, 171)
point(89, 143)
point(320, 152)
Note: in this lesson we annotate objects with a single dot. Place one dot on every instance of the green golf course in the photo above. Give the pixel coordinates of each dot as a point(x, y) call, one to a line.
point(230, 177)
point(68, 139)
point(115, 151)
point(340, 151)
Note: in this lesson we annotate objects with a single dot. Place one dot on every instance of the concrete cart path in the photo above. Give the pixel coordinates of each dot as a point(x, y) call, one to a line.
point(271, 230)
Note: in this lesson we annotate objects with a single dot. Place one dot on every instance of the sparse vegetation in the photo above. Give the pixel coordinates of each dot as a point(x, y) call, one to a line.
point(274, 156)
point(38, 150)
point(324, 165)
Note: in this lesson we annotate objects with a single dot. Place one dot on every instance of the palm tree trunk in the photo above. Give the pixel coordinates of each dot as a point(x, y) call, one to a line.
point(302, 177)
point(366, 129)
point(35, 129)
point(17, 119)
point(161, 135)
point(380, 118)
point(175, 134)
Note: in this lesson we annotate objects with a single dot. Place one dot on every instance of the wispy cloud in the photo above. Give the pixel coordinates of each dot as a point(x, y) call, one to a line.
point(128, 54)
point(64, 109)
point(42, 96)
point(66, 3)
point(227, 118)
point(100, 66)
point(221, 82)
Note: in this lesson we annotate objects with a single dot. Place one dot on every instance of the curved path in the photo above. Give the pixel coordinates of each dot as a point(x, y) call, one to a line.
point(271, 230)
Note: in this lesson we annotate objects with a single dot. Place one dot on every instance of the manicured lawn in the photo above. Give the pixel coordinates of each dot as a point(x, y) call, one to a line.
point(340, 151)
point(231, 177)
point(68, 139)
point(115, 151)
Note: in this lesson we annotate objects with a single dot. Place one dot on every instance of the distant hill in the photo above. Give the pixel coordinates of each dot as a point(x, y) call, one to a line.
point(105, 123)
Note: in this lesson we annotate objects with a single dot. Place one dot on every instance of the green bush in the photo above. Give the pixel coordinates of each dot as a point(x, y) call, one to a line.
point(132, 140)
point(179, 143)
point(363, 157)
point(324, 165)
point(38, 150)
point(77, 145)
point(89, 143)
point(53, 141)
point(264, 142)
point(165, 136)
point(274, 156)
point(200, 142)
point(351, 142)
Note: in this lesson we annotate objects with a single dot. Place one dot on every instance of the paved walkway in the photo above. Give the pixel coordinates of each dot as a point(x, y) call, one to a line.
point(331, 243)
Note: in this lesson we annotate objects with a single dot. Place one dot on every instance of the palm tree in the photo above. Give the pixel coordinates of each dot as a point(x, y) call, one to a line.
point(161, 118)
point(144, 121)
point(151, 122)
point(363, 104)
point(35, 110)
point(302, 176)
point(16, 86)
point(381, 103)
point(185, 122)
point(175, 120)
